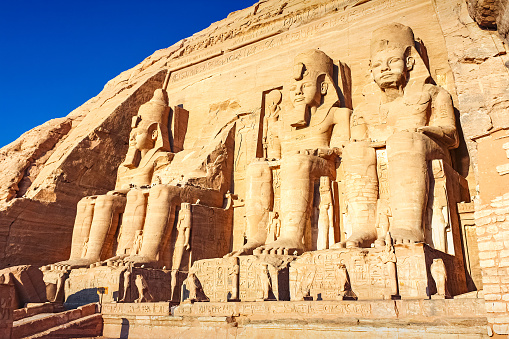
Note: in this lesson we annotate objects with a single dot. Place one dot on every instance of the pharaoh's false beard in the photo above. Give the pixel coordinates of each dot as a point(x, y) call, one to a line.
point(299, 115)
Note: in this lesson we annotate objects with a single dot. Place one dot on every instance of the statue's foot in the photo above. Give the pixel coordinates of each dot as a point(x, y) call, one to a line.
point(282, 246)
point(69, 264)
point(361, 239)
point(406, 236)
point(118, 260)
point(141, 261)
point(338, 245)
point(247, 249)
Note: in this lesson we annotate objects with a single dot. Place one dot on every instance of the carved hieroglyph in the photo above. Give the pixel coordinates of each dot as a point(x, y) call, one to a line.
point(414, 122)
point(244, 278)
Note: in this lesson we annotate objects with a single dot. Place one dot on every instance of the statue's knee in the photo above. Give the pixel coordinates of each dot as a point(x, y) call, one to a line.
point(405, 143)
point(296, 164)
point(258, 169)
point(85, 202)
point(357, 157)
point(135, 195)
point(165, 192)
point(108, 201)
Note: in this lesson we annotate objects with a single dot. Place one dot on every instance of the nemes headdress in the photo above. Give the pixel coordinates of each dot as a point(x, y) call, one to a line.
point(155, 111)
point(392, 36)
point(398, 36)
point(312, 63)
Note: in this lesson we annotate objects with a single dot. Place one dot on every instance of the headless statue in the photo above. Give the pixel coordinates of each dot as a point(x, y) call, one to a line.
point(304, 132)
point(414, 122)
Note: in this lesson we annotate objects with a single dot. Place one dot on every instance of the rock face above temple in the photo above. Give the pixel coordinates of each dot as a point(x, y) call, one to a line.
point(491, 14)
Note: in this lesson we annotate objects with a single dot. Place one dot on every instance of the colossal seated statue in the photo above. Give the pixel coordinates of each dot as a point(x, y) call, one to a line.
point(301, 137)
point(133, 224)
point(405, 123)
point(98, 217)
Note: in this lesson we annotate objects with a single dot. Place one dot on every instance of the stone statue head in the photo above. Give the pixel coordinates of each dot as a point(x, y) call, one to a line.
point(149, 128)
point(311, 83)
point(392, 55)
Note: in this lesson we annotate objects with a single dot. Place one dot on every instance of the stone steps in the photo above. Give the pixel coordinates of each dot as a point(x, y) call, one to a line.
point(86, 327)
point(84, 318)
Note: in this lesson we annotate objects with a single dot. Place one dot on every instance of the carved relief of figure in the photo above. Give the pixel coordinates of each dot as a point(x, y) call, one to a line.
point(303, 283)
point(85, 248)
point(440, 220)
point(143, 291)
point(390, 260)
point(271, 142)
point(127, 283)
point(439, 274)
point(305, 132)
point(343, 281)
point(233, 277)
point(274, 228)
point(325, 217)
point(138, 240)
point(409, 117)
point(265, 283)
point(193, 286)
point(182, 242)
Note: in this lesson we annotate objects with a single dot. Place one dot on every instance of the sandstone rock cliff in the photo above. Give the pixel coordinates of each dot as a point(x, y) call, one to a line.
point(491, 14)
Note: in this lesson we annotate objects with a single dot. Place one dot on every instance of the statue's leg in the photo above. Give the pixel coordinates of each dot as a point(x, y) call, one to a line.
point(82, 223)
point(259, 200)
point(158, 222)
point(407, 154)
point(132, 221)
point(298, 175)
point(104, 223)
point(361, 189)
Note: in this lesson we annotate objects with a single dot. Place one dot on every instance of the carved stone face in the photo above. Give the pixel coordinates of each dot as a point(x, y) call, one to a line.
point(143, 138)
point(305, 92)
point(389, 67)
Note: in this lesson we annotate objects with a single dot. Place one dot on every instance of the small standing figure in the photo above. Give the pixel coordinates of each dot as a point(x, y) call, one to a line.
point(389, 259)
point(182, 242)
point(233, 277)
point(304, 281)
point(325, 216)
point(439, 274)
point(265, 284)
point(273, 228)
point(343, 281)
point(193, 286)
point(84, 249)
point(143, 292)
point(138, 240)
point(127, 283)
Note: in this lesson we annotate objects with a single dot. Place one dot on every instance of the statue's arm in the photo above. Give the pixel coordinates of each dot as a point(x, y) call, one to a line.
point(341, 130)
point(358, 127)
point(442, 126)
point(187, 231)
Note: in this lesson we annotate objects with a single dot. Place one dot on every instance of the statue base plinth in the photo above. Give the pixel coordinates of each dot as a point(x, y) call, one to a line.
point(241, 278)
point(107, 284)
point(365, 274)
point(370, 275)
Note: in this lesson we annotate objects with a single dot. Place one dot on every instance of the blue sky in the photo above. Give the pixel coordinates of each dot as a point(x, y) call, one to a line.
point(55, 55)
